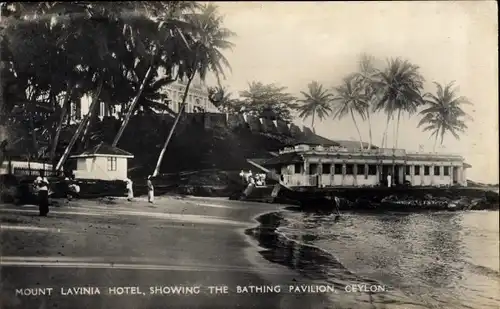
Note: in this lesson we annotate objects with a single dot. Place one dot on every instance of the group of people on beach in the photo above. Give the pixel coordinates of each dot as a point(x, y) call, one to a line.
point(41, 187)
point(250, 178)
point(130, 189)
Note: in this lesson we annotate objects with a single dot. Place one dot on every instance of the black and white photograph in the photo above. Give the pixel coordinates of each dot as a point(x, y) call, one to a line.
point(273, 154)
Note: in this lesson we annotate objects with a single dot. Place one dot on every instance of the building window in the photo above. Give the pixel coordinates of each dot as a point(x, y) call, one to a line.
point(179, 105)
point(313, 169)
point(349, 169)
point(326, 168)
point(437, 170)
point(407, 170)
point(361, 169)
point(447, 171)
point(297, 168)
point(372, 170)
point(417, 170)
point(427, 170)
point(338, 169)
point(111, 164)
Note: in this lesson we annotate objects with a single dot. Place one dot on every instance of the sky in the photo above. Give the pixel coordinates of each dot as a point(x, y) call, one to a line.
point(294, 43)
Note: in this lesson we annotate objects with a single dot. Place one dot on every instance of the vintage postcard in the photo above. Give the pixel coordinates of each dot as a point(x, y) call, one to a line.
point(269, 154)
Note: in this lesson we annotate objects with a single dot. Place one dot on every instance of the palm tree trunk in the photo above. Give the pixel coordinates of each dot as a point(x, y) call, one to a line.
point(435, 143)
point(33, 96)
point(80, 127)
point(393, 132)
point(64, 111)
point(357, 129)
point(397, 128)
point(312, 122)
point(90, 113)
point(179, 114)
point(69, 111)
point(384, 136)
point(94, 111)
point(369, 130)
point(132, 107)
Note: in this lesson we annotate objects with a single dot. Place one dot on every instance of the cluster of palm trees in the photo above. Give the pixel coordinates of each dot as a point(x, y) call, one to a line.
point(394, 90)
point(122, 54)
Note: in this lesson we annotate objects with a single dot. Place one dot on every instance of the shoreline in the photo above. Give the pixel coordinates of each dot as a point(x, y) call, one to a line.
point(320, 266)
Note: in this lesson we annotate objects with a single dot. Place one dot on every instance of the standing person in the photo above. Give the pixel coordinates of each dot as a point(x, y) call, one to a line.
point(130, 191)
point(73, 188)
point(42, 185)
point(249, 176)
point(67, 187)
point(389, 180)
point(151, 190)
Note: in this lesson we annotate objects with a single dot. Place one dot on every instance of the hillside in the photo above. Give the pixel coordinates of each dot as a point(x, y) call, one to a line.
point(201, 141)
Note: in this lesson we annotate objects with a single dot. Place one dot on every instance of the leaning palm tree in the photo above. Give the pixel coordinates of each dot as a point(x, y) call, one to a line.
point(204, 53)
point(316, 102)
point(350, 99)
point(399, 89)
point(155, 38)
point(444, 113)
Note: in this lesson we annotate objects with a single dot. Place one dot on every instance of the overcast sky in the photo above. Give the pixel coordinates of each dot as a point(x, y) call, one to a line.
point(294, 43)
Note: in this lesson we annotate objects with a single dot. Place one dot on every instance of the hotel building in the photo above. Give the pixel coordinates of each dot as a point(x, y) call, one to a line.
point(337, 166)
point(196, 102)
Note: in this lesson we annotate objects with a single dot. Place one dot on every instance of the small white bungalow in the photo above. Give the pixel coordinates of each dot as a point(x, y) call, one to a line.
point(103, 162)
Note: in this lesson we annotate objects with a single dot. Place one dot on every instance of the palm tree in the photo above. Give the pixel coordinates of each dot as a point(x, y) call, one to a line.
point(365, 76)
point(444, 113)
point(316, 102)
point(350, 99)
point(203, 54)
point(159, 43)
point(398, 88)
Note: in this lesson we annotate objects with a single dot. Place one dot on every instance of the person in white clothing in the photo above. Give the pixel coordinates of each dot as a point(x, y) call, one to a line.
point(42, 186)
point(389, 180)
point(151, 190)
point(130, 190)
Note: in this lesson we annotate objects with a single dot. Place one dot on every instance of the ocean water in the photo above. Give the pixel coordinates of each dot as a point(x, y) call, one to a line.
point(432, 260)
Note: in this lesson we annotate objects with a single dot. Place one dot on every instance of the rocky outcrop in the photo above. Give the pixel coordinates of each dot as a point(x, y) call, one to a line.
point(396, 199)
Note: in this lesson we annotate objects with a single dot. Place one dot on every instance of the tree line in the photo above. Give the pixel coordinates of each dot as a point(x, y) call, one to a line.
point(394, 90)
point(122, 54)
point(55, 53)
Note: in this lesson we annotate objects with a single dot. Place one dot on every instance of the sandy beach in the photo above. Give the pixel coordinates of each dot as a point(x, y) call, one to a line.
point(177, 242)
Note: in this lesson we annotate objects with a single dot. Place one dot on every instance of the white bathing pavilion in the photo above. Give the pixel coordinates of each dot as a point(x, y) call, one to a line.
point(336, 166)
point(102, 162)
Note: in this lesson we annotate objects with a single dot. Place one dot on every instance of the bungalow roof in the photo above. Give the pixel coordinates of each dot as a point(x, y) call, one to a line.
point(104, 149)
